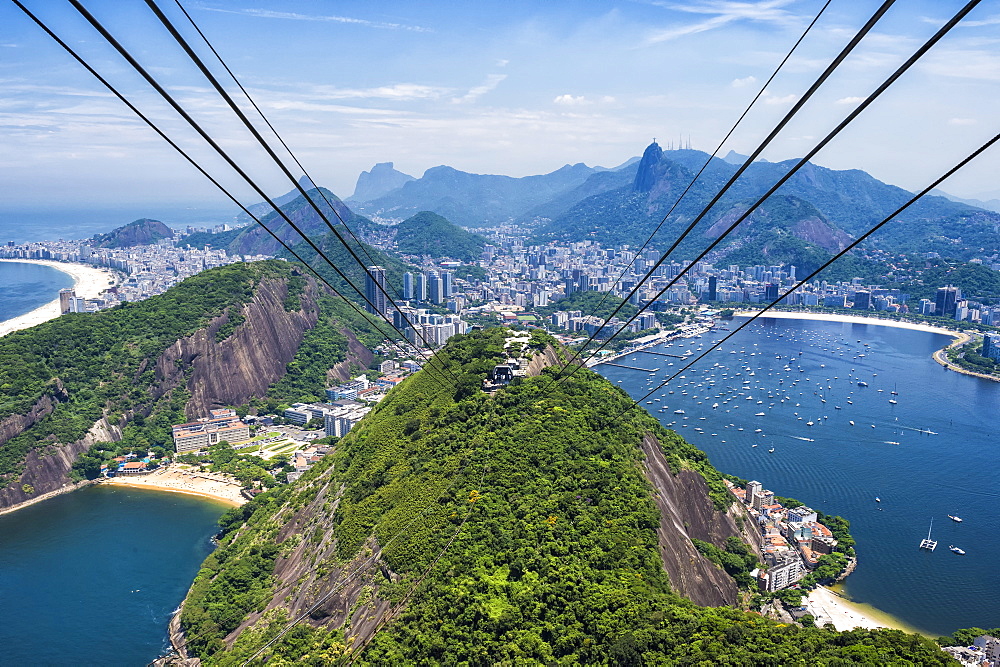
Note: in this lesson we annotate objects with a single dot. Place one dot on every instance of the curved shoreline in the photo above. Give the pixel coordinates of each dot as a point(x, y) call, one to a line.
point(940, 356)
point(178, 481)
point(831, 606)
point(89, 282)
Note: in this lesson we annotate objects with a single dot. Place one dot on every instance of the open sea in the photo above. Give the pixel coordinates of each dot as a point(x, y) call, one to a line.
point(932, 454)
point(24, 287)
point(92, 577)
point(30, 225)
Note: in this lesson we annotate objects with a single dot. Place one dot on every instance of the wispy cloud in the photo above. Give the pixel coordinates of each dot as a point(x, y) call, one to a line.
point(323, 18)
point(491, 82)
point(581, 100)
point(395, 91)
point(722, 12)
point(851, 100)
point(770, 98)
point(962, 121)
point(745, 81)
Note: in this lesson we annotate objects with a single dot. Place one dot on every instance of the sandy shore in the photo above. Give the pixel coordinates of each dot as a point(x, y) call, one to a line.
point(830, 607)
point(207, 485)
point(88, 281)
point(852, 319)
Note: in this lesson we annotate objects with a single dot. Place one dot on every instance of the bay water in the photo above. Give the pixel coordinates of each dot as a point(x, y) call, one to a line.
point(92, 577)
point(931, 454)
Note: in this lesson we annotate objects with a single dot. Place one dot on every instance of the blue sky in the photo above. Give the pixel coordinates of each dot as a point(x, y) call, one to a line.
point(512, 88)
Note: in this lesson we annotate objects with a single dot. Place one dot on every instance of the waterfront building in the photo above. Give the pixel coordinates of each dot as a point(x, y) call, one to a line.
point(862, 300)
point(946, 300)
point(802, 514)
point(991, 346)
point(378, 302)
point(222, 425)
point(784, 569)
point(64, 300)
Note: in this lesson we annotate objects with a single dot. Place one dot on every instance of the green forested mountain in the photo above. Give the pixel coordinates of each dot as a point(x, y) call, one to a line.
point(138, 232)
point(428, 233)
point(830, 208)
point(254, 240)
point(223, 337)
point(455, 527)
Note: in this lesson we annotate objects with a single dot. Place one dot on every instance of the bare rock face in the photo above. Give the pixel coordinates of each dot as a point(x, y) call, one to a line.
point(45, 468)
point(686, 511)
point(357, 355)
point(217, 373)
point(14, 425)
point(246, 363)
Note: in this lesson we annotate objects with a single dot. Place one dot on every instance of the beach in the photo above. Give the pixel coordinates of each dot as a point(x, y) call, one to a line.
point(178, 480)
point(88, 281)
point(853, 319)
point(828, 606)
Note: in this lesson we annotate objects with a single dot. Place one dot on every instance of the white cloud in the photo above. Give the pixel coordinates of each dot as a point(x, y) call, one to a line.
point(964, 64)
point(770, 98)
point(851, 100)
point(962, 121)
point(294, 16)
point(570, 100)
point(725, 12)
point(396, 91)
point(745, 81)
point(491, 82)
point(502, 62)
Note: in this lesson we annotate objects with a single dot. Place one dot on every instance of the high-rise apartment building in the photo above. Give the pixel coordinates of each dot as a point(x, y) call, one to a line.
point(375, 287)
point(945, 301)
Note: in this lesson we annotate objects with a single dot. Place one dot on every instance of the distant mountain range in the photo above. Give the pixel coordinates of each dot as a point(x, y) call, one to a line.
point(816, 213)
point(478, 200)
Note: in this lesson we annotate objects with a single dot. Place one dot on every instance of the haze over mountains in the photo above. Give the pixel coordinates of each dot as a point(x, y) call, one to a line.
point(817, 212)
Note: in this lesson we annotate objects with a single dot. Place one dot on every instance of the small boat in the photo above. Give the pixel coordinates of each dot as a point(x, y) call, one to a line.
point(678, 412)
point(753, 445)
point(757, 430)
point(759, 414)
point(862, 384)
point(956, 550)
point(956, 519)
point(929, 544)
point(771, 451)
point(893, 401)
point(851, 423)
point(877, 499)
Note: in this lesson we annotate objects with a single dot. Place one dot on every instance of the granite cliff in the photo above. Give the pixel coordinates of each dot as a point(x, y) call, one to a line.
point(222, 338)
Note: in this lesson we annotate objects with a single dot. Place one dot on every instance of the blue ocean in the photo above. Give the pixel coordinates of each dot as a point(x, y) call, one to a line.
point(24, 287)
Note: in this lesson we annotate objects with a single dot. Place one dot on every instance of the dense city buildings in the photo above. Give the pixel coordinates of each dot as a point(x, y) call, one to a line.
point(793, 539)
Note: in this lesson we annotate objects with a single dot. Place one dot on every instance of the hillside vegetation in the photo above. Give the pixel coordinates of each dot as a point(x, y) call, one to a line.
point(428, 233)
point(452, 527)
point(59, 378)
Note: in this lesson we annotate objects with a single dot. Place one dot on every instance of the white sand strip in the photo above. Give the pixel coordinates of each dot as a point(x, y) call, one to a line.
point(88, 281)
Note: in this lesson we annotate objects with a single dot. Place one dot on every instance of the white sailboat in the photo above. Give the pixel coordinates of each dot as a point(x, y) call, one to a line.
point(928, 543)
